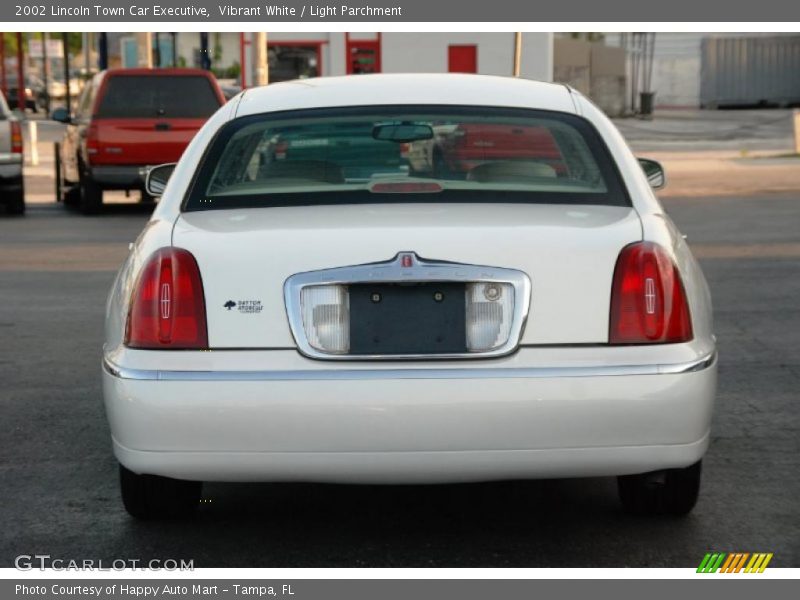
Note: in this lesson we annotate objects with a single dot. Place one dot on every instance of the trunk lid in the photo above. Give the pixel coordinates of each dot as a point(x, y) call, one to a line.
point(245, 256)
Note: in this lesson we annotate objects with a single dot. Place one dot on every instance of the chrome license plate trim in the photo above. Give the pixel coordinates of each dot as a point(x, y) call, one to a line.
point(407, 266)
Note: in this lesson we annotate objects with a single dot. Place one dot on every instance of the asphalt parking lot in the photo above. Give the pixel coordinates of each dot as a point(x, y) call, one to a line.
point(59, 478)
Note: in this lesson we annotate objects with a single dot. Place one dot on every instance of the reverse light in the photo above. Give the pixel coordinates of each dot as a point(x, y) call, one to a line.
point(648, 302)
point(92, 139)
point(167, 309)
point(490, 308)
point(326, 317)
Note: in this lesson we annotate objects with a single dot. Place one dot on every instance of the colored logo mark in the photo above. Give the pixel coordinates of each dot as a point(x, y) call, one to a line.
point(735, 562)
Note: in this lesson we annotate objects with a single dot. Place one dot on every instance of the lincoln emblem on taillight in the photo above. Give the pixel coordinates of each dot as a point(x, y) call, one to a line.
point(166, 297)
point(650, 295)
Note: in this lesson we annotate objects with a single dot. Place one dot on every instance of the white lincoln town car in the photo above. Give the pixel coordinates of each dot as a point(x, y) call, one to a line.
point(409, 279)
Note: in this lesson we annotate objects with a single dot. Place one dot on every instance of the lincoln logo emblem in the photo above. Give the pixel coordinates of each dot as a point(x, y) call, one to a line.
point(166, 296)
point(650, 295)
point(406, 261)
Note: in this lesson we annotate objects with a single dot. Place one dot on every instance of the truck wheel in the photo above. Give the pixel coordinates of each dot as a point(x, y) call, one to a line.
point(91, 198)
point(155, 497)
point(669, 492)
point(16, 203)
point(72, 195)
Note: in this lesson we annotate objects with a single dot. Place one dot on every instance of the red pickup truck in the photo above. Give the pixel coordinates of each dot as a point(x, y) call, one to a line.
point(472, 144)
point(127, 120)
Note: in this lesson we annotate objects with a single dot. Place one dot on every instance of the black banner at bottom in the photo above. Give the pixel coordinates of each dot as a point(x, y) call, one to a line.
point(733, 587)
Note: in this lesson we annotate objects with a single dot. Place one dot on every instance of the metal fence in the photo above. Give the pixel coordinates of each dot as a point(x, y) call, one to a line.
point(750, 71)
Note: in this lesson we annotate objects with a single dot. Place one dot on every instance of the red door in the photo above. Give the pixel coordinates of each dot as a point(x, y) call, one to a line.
point(462, 59)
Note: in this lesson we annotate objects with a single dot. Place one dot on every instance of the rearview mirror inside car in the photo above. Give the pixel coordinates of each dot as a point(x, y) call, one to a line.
point(61, 115)
point(654, 173)
point(402, 133)
point(157, 178)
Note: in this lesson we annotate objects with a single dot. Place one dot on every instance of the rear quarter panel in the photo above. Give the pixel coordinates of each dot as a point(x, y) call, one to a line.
point(656, 225)
point(158, 231)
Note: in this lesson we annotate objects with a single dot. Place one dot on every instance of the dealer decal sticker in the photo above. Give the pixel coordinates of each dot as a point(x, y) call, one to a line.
point(248, 307)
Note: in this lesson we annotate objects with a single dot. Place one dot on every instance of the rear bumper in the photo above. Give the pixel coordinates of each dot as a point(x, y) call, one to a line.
point(10, 170)
point(11, 181)
point(122, 177)
point(410, 424)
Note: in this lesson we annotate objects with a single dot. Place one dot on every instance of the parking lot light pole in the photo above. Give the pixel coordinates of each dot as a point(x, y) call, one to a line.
point(86, 45)
point(157, 59)
point(46, 72)
point(261, 61)
point(517, 53)
point(65, 50)
point(102, 52)
point(20, 75)
point(205, 59)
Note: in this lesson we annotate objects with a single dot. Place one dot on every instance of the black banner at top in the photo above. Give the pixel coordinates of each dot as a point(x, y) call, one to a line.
point(388, 11)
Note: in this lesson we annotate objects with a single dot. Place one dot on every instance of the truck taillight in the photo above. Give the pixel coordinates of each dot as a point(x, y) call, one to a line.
point(648, 302)
point(16, 137)
point(92, 140)
point(167, 309)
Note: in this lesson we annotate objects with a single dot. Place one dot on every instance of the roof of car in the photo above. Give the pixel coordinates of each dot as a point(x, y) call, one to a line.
point(415, 89)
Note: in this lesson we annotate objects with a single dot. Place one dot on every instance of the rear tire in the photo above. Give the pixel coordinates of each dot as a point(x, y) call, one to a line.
point(669, 492)
point(72, 195)
point(155, 497)
point(16, 203)
point(91, 198)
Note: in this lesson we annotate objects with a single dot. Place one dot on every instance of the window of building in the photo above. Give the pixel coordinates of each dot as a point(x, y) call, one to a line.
point(293, 61)
point(363, 56)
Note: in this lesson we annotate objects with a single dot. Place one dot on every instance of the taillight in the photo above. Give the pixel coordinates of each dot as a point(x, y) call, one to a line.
point(167, 310)
point(648, 302)
point(16, 137)
point(92, 140)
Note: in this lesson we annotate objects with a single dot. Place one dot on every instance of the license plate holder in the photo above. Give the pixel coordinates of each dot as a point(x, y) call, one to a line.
point(404, 319)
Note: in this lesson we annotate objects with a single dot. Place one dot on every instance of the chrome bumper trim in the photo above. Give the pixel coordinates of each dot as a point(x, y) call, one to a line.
point(7, 158)
point(343, 374)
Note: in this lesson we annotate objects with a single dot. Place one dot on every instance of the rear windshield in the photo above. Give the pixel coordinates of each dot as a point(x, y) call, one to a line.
point(403, 154)
point(162, 96)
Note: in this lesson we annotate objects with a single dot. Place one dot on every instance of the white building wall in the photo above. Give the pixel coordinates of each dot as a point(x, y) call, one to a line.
point(427, 53)
point(402, 52)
